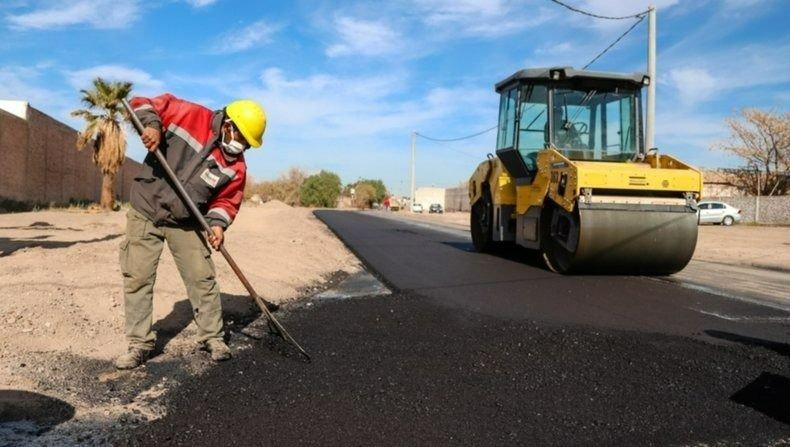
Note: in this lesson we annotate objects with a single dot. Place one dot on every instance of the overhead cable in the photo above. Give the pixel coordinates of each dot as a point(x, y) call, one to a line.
point(598, 16)
point(447, 140)
point(614, 43)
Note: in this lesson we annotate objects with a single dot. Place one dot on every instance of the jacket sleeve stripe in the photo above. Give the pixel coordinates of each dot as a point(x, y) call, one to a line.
point(183, 134)
point(222, 214)
point(224, 169)
point(144, 107)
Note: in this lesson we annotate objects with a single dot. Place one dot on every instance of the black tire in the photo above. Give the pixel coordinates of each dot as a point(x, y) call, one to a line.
point(727, 221)
point(481, 223)
point(556, 228)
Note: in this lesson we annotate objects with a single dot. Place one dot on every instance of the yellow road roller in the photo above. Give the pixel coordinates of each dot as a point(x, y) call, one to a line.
point(572, 179)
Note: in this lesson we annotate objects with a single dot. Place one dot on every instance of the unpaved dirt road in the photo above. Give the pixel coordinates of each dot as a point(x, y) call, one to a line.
point(61, 303)
point(484, 350)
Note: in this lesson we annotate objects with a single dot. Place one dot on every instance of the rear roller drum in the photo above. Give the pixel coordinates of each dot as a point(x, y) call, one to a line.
point(560, 238)
point(481, 221)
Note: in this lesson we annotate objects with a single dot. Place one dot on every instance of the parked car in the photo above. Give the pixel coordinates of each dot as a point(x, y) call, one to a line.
point(435, 208)
point(416, 208)
point(718, 213)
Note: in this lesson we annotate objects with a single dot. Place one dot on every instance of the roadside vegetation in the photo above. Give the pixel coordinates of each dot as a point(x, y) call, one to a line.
point(103, 133)
point(323, 189)
point(761, 140)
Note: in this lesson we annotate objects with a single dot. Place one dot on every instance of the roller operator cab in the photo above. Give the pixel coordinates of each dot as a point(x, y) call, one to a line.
point(572, 178)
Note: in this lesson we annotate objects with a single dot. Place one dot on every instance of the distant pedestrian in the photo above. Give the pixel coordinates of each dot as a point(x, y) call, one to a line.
point(205, 148)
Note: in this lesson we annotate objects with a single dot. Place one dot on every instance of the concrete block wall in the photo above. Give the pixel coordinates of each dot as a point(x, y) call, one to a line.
point(773, 210)
point(40, 164)
point(457, 199)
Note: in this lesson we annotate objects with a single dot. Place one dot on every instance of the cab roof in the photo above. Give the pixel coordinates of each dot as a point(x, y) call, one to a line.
point(555, 74)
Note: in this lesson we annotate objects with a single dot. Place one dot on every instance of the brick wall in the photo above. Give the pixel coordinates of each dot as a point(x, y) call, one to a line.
point(40, 164)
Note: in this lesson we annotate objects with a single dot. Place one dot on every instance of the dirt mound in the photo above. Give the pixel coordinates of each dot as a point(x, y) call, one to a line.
point(62, 296)
point(275, 205)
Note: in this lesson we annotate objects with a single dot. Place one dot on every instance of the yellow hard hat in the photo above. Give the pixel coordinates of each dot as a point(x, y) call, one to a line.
point(249, 118)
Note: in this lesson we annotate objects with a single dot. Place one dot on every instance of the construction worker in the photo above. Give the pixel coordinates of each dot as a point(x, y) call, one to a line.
point(205, 148)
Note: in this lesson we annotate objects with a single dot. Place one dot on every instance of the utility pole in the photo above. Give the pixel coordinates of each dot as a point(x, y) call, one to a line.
point(413, 159)
point(651, 72)
point(757, 200)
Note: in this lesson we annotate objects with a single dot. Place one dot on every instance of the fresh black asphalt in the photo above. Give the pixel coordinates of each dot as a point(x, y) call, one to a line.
point(494, 350)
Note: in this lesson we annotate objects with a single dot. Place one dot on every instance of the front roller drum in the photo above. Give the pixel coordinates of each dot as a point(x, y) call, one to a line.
point(619, 239)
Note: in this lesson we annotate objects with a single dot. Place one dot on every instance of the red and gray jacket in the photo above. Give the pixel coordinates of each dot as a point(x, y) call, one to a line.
point(213, 180)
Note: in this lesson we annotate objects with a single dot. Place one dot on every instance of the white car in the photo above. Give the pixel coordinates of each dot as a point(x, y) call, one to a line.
point(718, 213)
point(416, 208)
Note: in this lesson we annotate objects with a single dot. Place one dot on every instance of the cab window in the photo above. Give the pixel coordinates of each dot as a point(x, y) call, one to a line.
point(533, 127)
point(507, 118)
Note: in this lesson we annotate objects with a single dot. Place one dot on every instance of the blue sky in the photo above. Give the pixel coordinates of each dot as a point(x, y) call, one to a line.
point(345, 82)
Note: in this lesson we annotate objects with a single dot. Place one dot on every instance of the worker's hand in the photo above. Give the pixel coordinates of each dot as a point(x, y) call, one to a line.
point(151, 138)
point(216, 239)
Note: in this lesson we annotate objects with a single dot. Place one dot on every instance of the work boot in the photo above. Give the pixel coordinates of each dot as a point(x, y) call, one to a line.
point(218, 349)
point(133, 358)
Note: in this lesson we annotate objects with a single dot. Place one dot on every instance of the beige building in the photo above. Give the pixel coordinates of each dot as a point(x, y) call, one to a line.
point(40, 164)
point(427, 196)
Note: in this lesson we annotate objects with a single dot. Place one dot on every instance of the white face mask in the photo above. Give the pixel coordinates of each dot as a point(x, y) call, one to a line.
point(233, 147)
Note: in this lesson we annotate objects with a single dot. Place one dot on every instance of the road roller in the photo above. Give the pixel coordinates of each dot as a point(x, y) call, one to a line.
point(572, 178)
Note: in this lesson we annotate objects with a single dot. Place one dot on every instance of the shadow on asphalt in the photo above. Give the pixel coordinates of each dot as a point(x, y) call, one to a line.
point(511, 253)
point(25, 406)
point(769, 394)
point(779, 348)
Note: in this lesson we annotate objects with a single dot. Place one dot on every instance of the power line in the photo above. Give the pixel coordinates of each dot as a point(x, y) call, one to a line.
point(598, 56)
point(447, 140)
point(598, 16)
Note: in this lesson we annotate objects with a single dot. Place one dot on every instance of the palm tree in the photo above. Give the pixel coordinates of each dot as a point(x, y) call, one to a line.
point(103, 116)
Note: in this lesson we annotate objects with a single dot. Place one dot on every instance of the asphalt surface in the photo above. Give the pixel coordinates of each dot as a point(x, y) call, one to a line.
point(487, 350)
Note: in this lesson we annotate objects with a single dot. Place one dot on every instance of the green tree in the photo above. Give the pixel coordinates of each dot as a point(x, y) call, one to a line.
point(378, 186)
point(322, 189)
point(103, 116)
point(364, 195)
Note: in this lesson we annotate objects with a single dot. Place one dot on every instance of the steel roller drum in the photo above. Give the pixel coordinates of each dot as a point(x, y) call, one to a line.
point(628, 239)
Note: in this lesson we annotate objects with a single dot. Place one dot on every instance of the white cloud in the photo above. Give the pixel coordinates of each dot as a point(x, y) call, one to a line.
point(18, 83)
point(481, 18)
point(254, 35)
point(326, 106)
point(693, 85)
point(26, 84)
point(143, 82)
point(103, 14)
point(366, 38)
point(201, 3)
point(732, 68)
